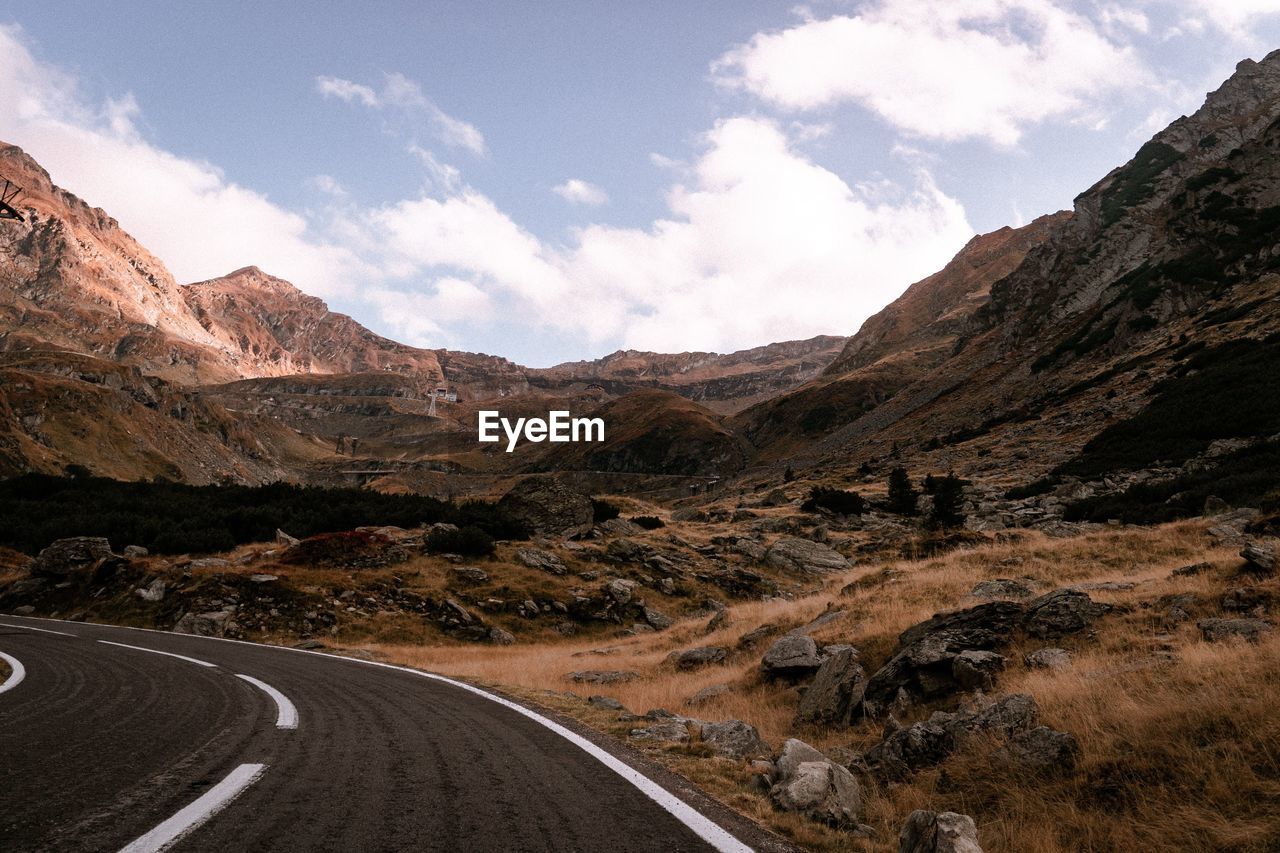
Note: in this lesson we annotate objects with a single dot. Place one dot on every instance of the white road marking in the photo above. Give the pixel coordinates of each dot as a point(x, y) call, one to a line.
point(707, 829)
point(32, 628)
point(158, 652)
point(15, 677)
point(206, 806)
point(286, 713)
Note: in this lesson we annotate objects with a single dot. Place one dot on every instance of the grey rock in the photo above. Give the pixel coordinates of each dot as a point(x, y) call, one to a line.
point(836, 691)
point(734, 739)
point(74, 555)
point(260, 577)
point(467, 575)
point(1191, 570)
point(659, 620)
point(24, 610)
point(546, 506)
point(605, 703)
point(905, 750)
point(501, 637)
point(1218, 630)
point(706, 695)
point(976, 670)
point(938, 832)
point(791, 656)
point(1041, 750)
point(1002, 588)
point(804, 556)
point(309, 644)
point(691, 659)
point(1245, 599)
point(819, 622)
point(1062, 612)
point(794, 753)
point(285, 539)
point(133, 552)
point(603, 676)
point(153, 592)
point(821, 791)
point(620, 590)
point(1048, 659)
point(536, 558)
point(211, 624)
point(1260, 557)
point(209, 563)
point(668, 731)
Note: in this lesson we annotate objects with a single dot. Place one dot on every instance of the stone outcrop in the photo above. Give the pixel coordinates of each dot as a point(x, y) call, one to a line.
point(804, 556)
point(835, 692)
point(546, 506)
point(938, 832)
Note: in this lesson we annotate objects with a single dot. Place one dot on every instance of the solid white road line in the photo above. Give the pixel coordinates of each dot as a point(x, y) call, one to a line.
point(31, 628)
point(286, 713)
point(15, 677)
point(707, 829)
point(206, 806)
point(158, 652)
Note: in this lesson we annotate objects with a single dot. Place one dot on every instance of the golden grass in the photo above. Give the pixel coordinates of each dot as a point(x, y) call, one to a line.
point(1181, 739)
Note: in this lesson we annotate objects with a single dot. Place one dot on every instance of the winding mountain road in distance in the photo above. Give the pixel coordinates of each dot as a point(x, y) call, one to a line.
point(124, 739)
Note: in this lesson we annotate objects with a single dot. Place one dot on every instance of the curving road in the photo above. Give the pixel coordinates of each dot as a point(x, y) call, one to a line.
point(122, 739)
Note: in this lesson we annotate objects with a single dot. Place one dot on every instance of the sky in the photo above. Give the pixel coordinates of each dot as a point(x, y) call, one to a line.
point(555, 181)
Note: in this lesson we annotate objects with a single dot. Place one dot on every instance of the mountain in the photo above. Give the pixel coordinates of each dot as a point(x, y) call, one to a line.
point(1165, 267)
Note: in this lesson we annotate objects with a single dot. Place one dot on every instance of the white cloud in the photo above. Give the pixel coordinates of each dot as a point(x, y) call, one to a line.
point(576, 191)
point(399, 92)
point(327, 184)
point(424, 319)
point(763, 245)
point(942, 69)
point(185, 211)
point(443, 176)
point(1233, 17)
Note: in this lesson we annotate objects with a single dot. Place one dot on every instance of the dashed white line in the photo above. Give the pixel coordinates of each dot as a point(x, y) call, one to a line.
point(286, 713)
point(206, 806)
point(158, 652)
point(33, 628)
point(16, 676)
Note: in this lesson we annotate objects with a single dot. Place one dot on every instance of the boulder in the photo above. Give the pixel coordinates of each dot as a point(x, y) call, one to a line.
point(620, 590)
point(822, 791)
point(1245, 599)
point(1218, 630)
point(210, 624)
point(1260, 557)
point(1062, 612)
point(976, 670)
point(734, 739)
point(706, 695)
point(73, 556)
point(691, 659)
point(536, 558)
point(804, 556)
point(467, 575)
point(938, 832)
point(794, 753)
point(659, 620)
point(603, 676)
point(718, 620)
point(501, 637)
point(1002, 588)
point(1040, 750)
point(545, 506)
point(285, 539)
point(836, 691)
point(665, 731)
point(133, 552)
point(905, 750)
point(1048, 659)
point(923, 666)
point(605, 703)
point(153, 592)
point(351, 549)
point(791, 656)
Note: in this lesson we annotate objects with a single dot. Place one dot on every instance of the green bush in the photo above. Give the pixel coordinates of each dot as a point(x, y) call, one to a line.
point(170, 518)
point(836, 500)
point(466, 541)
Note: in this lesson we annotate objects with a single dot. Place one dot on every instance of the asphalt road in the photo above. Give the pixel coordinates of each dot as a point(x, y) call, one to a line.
point(235, 746)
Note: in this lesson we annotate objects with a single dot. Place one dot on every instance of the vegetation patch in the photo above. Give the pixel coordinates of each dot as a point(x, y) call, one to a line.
point(1136, 181)
point(838, 501)
point(170, 518)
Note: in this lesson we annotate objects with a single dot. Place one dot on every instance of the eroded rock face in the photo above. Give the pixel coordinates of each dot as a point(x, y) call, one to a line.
point(547, 507)
point(212, 624)
point(804, 556)
point(1260, 557)
point(1062, 612)
point(1001, 588)
point(536, 558)
point(1048, 659)
point(836, 691)
point(938, 832)
point(691, 659)
point(734, 739)
point(1218, 630)
point(1041, 750)
point(806, 781)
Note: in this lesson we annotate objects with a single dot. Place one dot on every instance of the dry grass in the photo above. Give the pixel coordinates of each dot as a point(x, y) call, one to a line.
point(1181, 740)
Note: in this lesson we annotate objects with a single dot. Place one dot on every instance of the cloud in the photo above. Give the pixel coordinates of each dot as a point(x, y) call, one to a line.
point(185, 211)
point(327, 184)
point(577, 191)
point(399, 92)
point(424, 319)
point(443, 176)
point(941, 69)
point(1233, 17)
point(762, 245)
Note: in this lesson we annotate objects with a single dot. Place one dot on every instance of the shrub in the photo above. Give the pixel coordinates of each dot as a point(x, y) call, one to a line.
point(602, 510)
point(836, 500)
point(902, 494)
point(466, 541)
point(648, 522)
point(948, 500)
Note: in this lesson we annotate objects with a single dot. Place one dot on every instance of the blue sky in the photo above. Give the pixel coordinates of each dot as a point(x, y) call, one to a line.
point(553, 181)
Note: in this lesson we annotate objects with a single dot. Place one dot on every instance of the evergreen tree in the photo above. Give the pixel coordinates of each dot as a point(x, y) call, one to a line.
point(948, 500)
point(902, 494)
